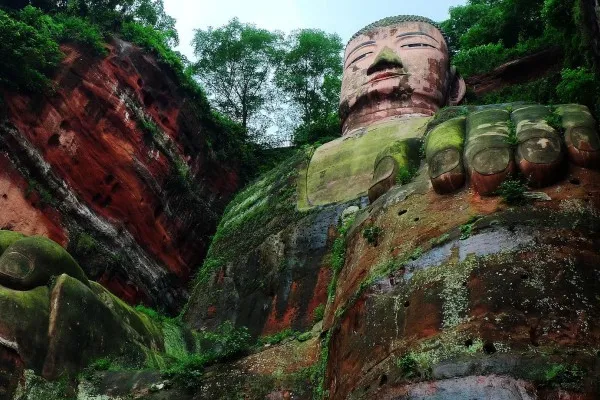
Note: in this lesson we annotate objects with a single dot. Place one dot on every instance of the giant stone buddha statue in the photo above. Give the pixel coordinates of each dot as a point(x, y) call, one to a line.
point(460, 294)
point(397, 75)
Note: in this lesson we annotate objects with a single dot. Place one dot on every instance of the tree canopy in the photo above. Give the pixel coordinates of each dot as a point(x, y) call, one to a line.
point(235, 64)
point(483, 34)
point(310, 78)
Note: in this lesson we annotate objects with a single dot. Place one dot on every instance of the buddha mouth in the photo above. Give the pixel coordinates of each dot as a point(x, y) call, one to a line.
point(386, 75)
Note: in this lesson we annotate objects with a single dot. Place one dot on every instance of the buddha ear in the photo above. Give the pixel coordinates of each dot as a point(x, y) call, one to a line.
point(458, 88)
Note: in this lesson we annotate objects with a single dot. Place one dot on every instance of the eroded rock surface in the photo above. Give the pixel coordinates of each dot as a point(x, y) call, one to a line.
point(116, 166)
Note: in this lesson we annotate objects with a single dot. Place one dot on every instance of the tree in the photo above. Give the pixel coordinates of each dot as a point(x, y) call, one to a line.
point(310, 76)
point(481, 22)
point(235, 64)
point(29, 53)
point(152, 13)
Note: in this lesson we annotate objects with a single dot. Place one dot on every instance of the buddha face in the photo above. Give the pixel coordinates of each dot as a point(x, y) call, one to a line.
point(401, 69)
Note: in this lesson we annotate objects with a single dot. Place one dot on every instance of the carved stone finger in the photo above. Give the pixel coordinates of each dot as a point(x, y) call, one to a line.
point(539, 151)
point(402, 157)
point(488, 155)
point(581, 136)
point(443, 151)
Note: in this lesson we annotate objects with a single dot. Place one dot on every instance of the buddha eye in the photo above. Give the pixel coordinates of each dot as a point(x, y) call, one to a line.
point(359, 58)
point(413, 45)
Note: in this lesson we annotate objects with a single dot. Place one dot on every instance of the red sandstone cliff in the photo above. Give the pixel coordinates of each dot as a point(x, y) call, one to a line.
point(134, 204)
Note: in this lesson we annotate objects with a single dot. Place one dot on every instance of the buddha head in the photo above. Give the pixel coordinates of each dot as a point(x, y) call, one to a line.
point(397, 66)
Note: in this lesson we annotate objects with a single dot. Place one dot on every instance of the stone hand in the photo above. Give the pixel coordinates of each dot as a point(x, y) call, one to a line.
point(492, 144)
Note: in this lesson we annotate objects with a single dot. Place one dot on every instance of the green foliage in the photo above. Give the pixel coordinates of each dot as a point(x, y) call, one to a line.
point(86, 244)
point(278, 337)
point(512, 191)
point(578, 85)
point(46, 198)
point(303, 337)
point(235, 63)
point(261, 209)
point(78, 30)
point(480, 59)
point(467, 228)
point(416, 253)
point(371, 234)
point(157, 42)
point(485, 34)
point(310, 76)
point(149, 128)
point(35, 387)
point(320, 370)
point(152, 13)
point(568, 377)
point(153, 314)
point(446, 114)
point(481, 22)
point(408, 366)
point(512, 138)
point(29, 54)
point(223, 344)
point(338, 255)
point(406, 174)
point(104, 364)
point(554, 120)
point(323, 129)
point(541, 91)
point(319, 313)
point(31, 36)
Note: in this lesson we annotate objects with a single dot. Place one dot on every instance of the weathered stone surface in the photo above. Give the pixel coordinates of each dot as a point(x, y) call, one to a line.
point(54, 322)
point(397, 67)
point(518, 71)
point(267, 268)
point(581, 136)
point(514, 297)
point(32, 261)
point(539, 151)
point(488, 155)
point(82, 168)
point(394, 164)
point(75, 341)
point(342, 170)
point(443, 148)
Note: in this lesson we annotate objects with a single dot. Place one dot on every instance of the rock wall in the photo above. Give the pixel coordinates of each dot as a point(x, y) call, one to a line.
point(268, 267)
point(462, 289)
point(519, 71)
point(116, 165)
point(431, 296)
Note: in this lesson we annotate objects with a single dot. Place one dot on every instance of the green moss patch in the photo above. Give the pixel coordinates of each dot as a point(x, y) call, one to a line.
point(33, 261)
point(263, 208)
point(447, 135)
point(7, 238)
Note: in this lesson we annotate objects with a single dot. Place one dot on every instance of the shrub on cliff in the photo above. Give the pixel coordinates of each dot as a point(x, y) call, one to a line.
point(28, 55)
point(483, 34)
point(29, 46)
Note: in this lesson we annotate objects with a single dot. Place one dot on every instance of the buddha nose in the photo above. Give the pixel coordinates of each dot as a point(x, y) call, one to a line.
point(386, 59)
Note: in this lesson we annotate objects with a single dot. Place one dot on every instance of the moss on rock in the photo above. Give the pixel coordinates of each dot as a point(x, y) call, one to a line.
point(73, 343)
point(7, 238)
point(33, 261)
point(24, 323)
point(448, 135)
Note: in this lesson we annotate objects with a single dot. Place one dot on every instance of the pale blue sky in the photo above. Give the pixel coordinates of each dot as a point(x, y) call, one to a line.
point(343, 17)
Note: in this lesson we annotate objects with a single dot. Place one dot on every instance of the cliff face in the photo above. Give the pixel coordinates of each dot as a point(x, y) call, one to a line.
point(428, 296)
point(267, 268)
point(515, 72)
point(117, 166)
